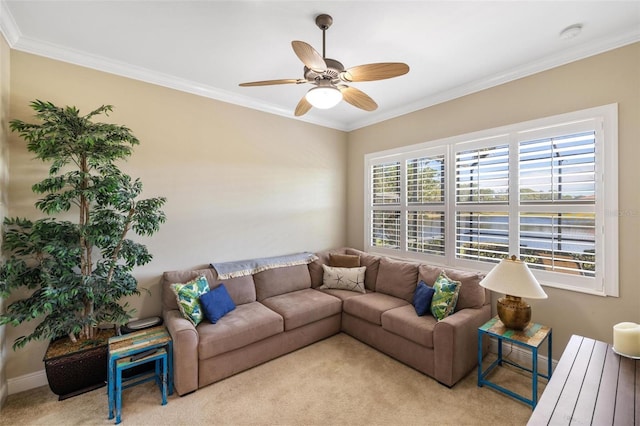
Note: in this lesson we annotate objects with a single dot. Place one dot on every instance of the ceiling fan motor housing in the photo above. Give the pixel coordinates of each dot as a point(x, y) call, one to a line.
point(334, 68)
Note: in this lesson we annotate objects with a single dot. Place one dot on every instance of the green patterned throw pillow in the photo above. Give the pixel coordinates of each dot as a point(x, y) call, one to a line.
point(188, 296)
point(445, 296)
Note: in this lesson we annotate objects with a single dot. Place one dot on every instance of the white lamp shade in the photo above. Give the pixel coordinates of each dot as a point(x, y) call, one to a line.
point(513, 277)
point(324, 97)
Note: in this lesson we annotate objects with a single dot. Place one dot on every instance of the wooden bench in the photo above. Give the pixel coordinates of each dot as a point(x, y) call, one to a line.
point(591, 385)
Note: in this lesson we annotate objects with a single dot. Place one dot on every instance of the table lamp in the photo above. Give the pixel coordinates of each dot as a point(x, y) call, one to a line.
point(513, 278)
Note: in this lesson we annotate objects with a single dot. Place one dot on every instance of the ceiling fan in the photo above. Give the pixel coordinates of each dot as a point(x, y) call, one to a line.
point(328, 76)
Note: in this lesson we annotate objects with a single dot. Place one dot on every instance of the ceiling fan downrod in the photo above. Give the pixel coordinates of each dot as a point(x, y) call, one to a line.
point(323, 22)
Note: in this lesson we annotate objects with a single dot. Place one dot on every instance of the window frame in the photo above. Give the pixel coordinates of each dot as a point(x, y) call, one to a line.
point(602, 119)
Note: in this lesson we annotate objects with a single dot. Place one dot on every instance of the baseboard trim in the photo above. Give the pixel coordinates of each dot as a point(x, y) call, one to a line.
point(521, 356)
point(513, 352)
point(4, 393)
point(28, 381)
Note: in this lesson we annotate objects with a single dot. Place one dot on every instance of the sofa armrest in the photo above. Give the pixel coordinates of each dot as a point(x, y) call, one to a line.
point(185, 351)
point(455, 342)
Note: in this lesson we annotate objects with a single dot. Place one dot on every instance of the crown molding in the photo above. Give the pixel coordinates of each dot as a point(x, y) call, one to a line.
point(8, 26)
point(99, 63)
point(578, 52)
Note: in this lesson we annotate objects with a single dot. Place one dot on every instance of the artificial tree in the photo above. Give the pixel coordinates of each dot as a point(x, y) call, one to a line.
point(76, 271)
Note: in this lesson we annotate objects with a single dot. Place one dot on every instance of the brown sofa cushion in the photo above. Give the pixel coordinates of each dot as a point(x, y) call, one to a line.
point(370, 306)
point(242, 289)
point(397, 278)
point(404, 322)
point(471, 294)
point(303, 307)
point(244, 325)
point(273, 282)
point(344, 260)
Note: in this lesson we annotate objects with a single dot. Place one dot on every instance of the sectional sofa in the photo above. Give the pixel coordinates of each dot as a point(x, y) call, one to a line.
point(283, 309)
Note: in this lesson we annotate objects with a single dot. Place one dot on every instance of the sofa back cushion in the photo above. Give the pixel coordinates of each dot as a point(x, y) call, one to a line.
point(315, 267)
point(397, 278)
point(274, 282)
point(372, 262)
point(242, 289)
point(471, 294)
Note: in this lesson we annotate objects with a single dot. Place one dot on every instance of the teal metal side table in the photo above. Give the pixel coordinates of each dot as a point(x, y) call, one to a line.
point(151, 345)
point(159, 357)
point(530, 338)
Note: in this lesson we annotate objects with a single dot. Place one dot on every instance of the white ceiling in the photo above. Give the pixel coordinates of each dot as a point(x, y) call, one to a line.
point(208, 47)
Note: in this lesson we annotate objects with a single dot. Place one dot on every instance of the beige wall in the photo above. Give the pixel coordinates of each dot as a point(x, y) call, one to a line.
point(4, 175)
point(239, 183)
point(612, 77)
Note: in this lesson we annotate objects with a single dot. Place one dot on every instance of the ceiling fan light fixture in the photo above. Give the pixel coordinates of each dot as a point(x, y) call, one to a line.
point(324, 97)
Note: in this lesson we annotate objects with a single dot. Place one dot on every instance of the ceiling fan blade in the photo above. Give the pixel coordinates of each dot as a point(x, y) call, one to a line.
point(303, 107)
point(357, 98)
point(372, 72)
point(309, 56)
point(271, 82)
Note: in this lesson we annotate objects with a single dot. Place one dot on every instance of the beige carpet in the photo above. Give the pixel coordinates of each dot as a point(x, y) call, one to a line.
point(337, 381)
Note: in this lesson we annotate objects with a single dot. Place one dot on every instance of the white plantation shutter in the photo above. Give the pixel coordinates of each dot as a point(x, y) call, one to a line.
point(425, 204)
point(560, 242)
point(482, 179)
point(385, 229)
point(425, 180)
point(386, 193)
point(425, 232)
point(386, 183)
point(558, 169)
point(558, 174)
point(482, 236)
point(482, 175)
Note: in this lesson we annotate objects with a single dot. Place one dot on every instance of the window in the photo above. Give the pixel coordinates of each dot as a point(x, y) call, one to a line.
point(539, 190)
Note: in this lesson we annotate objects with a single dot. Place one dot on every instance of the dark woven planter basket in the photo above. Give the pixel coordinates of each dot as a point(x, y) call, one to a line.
point(78, 372)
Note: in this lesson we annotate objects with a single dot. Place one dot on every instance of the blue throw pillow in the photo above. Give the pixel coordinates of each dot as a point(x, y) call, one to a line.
point(422, 298)
point(216, 303)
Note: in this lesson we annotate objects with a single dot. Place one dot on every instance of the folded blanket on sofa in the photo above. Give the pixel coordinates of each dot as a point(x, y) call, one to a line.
point(240, 268)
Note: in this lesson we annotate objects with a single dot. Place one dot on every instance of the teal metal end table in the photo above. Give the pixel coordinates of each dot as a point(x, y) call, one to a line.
point(159, 358)
point(531, 338)
point(123, 348)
